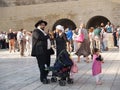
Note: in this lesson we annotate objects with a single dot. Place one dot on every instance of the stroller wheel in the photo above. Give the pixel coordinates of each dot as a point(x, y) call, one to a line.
point(62, 82)
point(53, 79)
point(70, 81)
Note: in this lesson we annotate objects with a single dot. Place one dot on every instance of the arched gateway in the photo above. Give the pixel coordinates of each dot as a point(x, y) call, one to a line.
point(67, 23)
point(96, 21)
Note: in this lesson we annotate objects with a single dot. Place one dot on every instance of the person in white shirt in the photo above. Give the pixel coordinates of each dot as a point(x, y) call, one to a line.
point(74, 39)
point(92, 41)
point(28, 43)
point(19, 33)
point(104, 40)
point(21, 41)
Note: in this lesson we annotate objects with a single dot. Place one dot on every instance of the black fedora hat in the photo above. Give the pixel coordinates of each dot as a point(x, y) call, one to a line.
point(39, 22)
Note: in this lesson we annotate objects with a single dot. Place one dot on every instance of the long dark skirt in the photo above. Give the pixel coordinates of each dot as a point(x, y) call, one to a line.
point(84, 49)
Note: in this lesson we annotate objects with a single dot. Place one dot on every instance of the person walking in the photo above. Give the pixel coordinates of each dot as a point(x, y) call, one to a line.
point(74, 39)
point(92, 42)
point(96, 66)
point(83, 47)
point(11, 38)
point(115, 37)
point(97, 37)
point(22, 42)
point(40, 46)
point(118, 37)
point(104, 40)
point(28, 43)
point(69, 35)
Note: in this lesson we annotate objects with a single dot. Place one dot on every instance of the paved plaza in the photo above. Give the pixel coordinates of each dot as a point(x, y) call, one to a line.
point(22, 73)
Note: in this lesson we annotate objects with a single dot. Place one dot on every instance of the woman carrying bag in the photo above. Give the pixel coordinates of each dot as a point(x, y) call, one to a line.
point(84, 46)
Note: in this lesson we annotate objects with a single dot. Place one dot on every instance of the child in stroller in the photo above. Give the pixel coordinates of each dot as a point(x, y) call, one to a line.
point(62, 68)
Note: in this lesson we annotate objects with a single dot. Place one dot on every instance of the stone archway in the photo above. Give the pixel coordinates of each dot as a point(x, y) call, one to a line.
point(96, 21)
point(67, 23)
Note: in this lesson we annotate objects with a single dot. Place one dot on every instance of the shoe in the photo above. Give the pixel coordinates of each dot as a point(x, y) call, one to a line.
point(46, 81)
point(87, 61)
point(102, 61)
point(99, 83)
point(78, 61)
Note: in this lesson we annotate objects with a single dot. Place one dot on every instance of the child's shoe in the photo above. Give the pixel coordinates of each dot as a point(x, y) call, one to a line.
point(99, 83)
point(103, 62)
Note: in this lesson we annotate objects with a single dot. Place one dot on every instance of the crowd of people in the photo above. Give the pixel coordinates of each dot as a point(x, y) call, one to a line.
point(17, 41)
point(38, 43)
point(21, 40)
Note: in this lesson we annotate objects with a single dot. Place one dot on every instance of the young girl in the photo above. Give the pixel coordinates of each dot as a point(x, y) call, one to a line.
point(96, 67)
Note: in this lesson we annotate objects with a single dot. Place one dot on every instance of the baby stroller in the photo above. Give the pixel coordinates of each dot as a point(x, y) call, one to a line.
point(62, 68)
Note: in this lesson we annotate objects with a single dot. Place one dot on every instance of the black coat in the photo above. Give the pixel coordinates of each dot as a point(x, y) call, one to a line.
point(61, 42)
point(39, 43)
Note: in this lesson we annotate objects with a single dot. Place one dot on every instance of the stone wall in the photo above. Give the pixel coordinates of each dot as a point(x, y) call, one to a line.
point(78, 11)
point(8, 3)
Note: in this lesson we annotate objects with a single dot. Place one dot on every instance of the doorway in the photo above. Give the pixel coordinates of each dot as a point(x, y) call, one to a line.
point(96, 21)
point(67, 23)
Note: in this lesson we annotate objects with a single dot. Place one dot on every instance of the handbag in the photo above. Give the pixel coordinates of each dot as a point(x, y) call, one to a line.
point(74, 68)
point(51, 51)
point(80, 38)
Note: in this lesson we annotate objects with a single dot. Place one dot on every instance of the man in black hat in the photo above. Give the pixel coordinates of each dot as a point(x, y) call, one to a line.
point(39, 49)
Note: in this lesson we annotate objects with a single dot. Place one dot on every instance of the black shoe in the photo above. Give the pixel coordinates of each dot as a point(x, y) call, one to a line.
point(46, 81)
point(53, 79)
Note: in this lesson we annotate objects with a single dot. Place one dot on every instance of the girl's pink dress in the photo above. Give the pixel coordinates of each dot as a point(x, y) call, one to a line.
point(96, 67)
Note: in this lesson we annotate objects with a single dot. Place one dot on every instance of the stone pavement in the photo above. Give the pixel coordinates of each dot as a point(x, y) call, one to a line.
point(22, 73)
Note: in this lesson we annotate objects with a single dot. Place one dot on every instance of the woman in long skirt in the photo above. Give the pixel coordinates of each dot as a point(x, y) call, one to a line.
point(84, 47)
